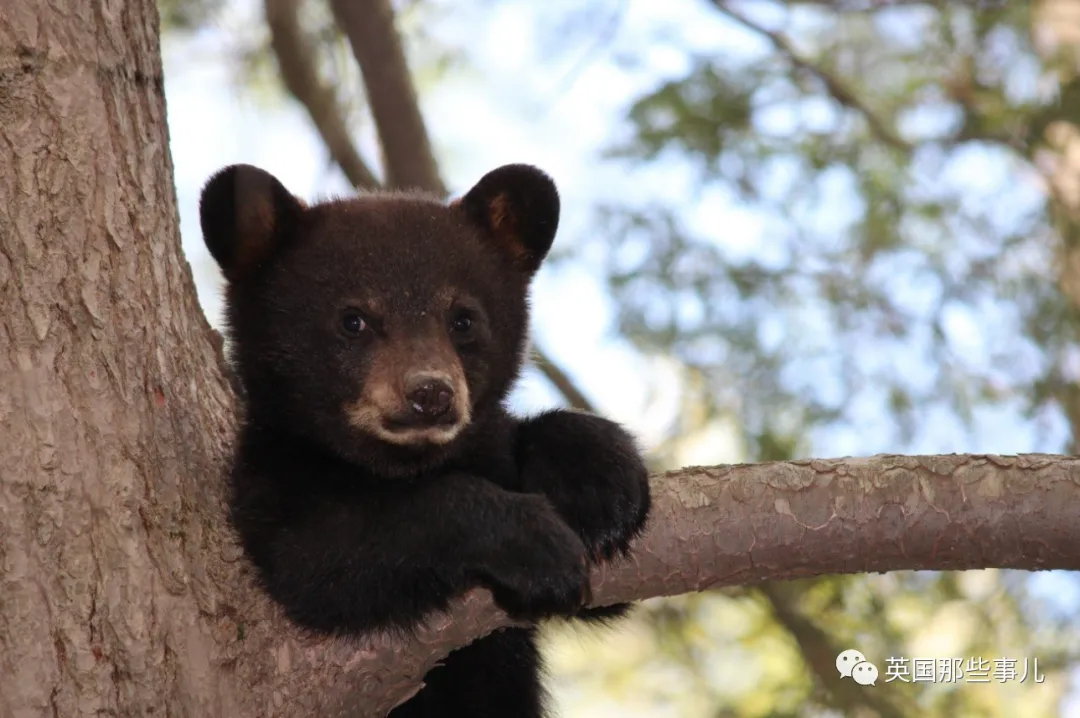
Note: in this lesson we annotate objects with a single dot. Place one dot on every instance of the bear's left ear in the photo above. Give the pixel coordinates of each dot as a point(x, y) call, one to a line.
point(517, 206)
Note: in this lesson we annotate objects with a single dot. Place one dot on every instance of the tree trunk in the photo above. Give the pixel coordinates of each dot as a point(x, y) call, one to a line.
point(114, 415)
point(121, 590)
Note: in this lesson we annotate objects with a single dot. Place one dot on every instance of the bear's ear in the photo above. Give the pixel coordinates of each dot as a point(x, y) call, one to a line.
point(517, 206)
point(245, 212)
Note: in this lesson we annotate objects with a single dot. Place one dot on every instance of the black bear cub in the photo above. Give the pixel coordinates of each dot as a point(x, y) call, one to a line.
point(378, 473)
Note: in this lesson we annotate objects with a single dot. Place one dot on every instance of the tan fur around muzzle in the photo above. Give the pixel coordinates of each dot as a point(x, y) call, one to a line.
point(383, 398)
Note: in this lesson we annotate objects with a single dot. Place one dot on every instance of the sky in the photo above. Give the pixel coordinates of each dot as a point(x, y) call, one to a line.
point(529, 104)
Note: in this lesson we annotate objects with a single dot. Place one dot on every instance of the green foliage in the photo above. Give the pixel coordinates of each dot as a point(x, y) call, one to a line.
point(885, 251)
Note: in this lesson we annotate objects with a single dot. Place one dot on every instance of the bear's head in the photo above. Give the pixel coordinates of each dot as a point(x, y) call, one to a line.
point(385, 328)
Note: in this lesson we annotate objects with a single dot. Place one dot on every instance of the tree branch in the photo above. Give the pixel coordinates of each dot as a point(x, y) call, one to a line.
point(376, 44)
point(836, 87)
point(727, 526)
point(300, 75)
point(562, 381)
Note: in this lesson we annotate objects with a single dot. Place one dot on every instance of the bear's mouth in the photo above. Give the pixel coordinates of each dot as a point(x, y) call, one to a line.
point(410, 432)
point(439, 434)
point(412, 425)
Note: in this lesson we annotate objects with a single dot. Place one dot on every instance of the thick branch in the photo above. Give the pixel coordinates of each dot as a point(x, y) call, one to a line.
point(742, 525)
point(299, 73)
point(377, 46)
point(836, 87)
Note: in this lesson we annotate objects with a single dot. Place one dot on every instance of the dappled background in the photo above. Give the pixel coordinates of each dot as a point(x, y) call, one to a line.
point(791, 229)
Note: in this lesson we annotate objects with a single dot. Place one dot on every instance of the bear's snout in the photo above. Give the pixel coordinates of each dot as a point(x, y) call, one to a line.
point(430, 395)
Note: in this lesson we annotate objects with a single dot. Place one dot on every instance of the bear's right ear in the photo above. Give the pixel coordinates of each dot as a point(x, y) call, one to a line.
point(245, 212)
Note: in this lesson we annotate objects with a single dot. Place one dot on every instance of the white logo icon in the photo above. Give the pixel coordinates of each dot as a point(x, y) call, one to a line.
point(847, 660)
point(853, 664)
point(865, 674)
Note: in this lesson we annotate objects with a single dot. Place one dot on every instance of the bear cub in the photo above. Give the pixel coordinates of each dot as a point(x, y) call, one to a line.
point(377, 472)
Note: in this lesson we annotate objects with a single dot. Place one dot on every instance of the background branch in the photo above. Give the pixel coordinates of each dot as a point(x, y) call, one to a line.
point(562, 381)
point(819, 653)
point(376, 44)
point(300, 75)
point(836, 87)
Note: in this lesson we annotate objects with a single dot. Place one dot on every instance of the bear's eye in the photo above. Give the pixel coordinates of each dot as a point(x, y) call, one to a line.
point(461, 323)
point(353, 323)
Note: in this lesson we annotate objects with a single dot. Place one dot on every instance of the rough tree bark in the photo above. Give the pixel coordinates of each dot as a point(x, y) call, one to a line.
point(121, 590)
point(114, 415)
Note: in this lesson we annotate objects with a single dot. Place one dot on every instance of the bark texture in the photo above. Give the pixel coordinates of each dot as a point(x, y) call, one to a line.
point(121, 590)
point(114, 416)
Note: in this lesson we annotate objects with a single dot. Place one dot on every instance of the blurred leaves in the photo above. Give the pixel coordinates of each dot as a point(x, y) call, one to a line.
point(881, 265)
point(187, 15)
point(685, 114)
point(894, 288)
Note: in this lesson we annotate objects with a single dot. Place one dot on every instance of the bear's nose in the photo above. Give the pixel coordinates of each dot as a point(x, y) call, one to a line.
point(429, 396)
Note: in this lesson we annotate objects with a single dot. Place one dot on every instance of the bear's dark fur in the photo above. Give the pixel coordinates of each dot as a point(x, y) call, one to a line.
point(377, 473)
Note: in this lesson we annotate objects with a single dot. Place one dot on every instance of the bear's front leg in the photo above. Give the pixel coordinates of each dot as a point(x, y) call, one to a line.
point(592, 472)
